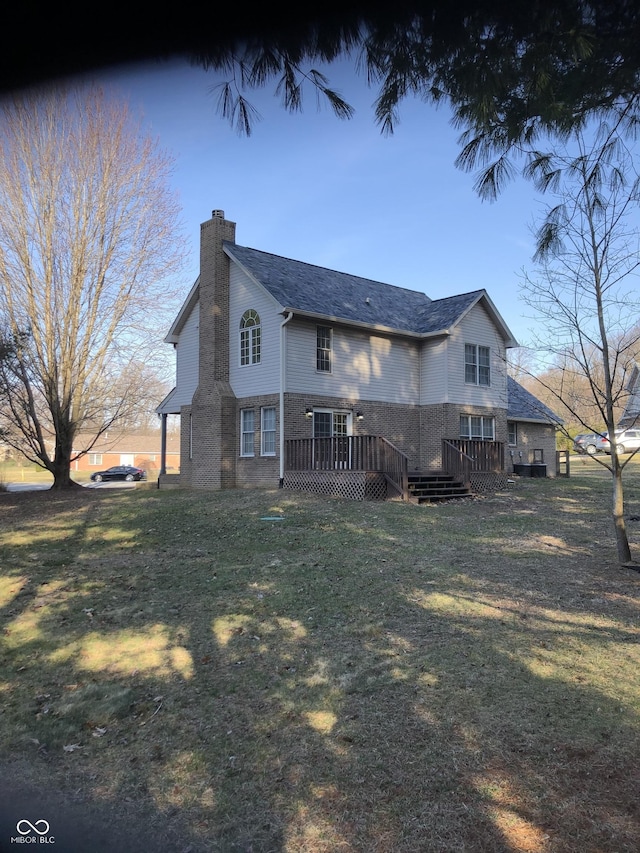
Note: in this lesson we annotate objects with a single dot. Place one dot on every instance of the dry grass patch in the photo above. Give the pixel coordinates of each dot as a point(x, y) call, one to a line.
point(356, 677)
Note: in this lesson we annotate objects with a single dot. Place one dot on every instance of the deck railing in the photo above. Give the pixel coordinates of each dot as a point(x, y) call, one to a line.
point(460, 457)
point(350, 453)
point(464, 456)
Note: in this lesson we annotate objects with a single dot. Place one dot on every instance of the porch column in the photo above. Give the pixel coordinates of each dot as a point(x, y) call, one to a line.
point(163, 444)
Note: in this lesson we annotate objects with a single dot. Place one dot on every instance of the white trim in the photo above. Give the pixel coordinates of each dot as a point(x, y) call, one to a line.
point(476, 365)
point(245, 432)
point(252, 332)
point(264, 432)
point(330, 348)
point(187, 306)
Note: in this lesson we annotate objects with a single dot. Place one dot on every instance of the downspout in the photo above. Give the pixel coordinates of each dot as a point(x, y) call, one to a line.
point(283, 376)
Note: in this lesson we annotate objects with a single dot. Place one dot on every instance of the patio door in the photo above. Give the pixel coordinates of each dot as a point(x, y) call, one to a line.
point(336, 425)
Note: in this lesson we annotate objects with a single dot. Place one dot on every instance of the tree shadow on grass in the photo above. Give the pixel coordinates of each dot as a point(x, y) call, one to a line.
point(323, 684)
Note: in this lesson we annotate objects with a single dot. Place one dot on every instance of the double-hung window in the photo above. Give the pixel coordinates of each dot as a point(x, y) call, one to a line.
point(247, 430)
point(95, 459)
point(268, 431)
point(477, 427)
point(250, 338)
point(477, 365)
point(323, 349)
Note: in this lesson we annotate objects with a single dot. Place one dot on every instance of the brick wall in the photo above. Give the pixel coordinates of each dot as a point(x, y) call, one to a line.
point(185, 441)
point(532, 437)
point(399, 424)
point(257, 470)
point(443, 421)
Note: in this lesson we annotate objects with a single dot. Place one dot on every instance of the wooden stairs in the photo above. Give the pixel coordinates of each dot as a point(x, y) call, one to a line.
point(435, 486)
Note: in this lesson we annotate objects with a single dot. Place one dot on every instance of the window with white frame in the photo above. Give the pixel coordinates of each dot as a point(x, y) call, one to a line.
point(323, 349)
point(247, 431)
point(95, 459)
point(268, 431)
point(250, 338)
point(477, 427)
point(512, 431)
point(477, 365)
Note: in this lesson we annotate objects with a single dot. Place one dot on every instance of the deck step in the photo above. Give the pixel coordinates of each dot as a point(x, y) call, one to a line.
point(430, 487)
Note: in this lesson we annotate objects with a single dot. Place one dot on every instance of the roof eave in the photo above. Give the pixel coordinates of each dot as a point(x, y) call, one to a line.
point(166, 407)
point(360, 324)
point(543, 421)
point(173, 334)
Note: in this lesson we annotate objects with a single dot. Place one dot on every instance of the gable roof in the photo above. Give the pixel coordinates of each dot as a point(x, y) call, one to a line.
point(320, 292)
point(523, 406)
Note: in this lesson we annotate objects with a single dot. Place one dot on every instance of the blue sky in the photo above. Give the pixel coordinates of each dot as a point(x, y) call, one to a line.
point(338, 193)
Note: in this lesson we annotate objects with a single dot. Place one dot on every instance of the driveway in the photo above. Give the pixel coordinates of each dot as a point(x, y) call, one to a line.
point(27, 487)
point(111, 484)
point(38, 487)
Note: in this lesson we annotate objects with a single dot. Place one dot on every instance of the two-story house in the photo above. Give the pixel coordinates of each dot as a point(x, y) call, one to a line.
point(293, 374)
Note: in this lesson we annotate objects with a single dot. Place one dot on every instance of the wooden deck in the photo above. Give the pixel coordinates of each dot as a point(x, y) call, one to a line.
point(370, 467)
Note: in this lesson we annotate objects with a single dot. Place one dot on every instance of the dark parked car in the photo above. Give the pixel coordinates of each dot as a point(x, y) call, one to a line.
point(120, 472)
point(589, 442)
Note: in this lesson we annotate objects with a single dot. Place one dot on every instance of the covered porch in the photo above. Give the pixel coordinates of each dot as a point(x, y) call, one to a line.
point(368, 467)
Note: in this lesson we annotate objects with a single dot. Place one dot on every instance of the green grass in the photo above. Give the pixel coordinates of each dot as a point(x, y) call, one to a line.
point(12, 472)
point(355, 677)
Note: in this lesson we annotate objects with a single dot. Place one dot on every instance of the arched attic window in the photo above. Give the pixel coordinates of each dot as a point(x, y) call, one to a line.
point(250, 338)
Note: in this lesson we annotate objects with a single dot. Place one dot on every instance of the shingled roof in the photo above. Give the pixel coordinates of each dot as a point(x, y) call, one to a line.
point(310, 289)
point(523, 406)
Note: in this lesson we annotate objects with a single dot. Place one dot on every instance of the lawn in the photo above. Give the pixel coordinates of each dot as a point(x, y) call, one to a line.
point(267, 671)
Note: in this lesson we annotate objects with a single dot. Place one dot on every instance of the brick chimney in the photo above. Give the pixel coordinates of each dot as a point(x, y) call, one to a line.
point(213, 409)
point(214, 297)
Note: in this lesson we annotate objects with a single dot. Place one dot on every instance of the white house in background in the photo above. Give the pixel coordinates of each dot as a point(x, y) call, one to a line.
point(292, 374)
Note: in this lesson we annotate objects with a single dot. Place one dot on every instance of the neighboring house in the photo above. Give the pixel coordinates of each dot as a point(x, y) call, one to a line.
point(144, 450)
point(631, 415)
point(294, 374)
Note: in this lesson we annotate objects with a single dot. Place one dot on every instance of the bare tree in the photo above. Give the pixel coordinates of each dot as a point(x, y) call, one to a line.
point(89, 238)
point(585, 291)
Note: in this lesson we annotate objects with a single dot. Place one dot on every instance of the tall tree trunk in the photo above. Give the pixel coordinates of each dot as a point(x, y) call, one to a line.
point(622, 542)
point(61, 467)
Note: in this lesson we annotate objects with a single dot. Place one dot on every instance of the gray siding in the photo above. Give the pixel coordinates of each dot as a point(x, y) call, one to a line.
point(253, 379)
point(434, 378)
point(476, 328)
point(365, 366)
point(187, 360)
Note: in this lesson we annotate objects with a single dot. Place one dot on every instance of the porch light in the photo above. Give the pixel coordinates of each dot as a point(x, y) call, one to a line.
point(359, 416)
point(308, 413)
